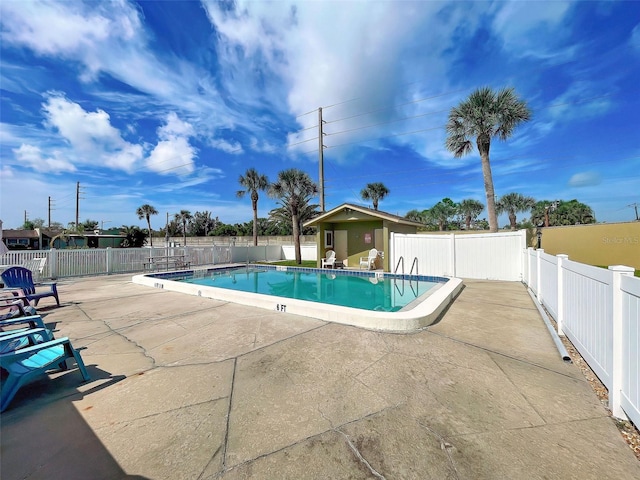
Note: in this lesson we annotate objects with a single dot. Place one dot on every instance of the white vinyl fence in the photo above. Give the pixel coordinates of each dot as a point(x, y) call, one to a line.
point(599, 311)
point(490, 256)
point(97, 261)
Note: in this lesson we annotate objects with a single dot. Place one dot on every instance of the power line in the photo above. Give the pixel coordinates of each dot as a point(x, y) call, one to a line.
point(524, 73)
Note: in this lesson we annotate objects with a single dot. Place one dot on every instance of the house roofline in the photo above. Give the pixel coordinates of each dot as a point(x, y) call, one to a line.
point(365, 210)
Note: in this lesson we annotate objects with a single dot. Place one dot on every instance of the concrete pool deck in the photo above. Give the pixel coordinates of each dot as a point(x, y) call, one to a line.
point(192, 388)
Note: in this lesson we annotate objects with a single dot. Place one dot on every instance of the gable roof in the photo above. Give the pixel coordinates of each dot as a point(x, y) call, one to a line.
point(325, 217)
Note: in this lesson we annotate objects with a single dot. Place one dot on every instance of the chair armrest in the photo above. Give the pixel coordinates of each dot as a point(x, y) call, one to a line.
point(17, 303)
point(23, 333)
point(35, 320)
point(22, 338)
point(18, 355)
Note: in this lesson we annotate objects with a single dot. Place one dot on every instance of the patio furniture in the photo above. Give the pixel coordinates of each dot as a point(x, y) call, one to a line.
point(14, 303)
point(14, 325)
point(20, 277)
point(370, 260)
point(168, 261)
point(27, 363)
point(36, 265)
point(330, 260)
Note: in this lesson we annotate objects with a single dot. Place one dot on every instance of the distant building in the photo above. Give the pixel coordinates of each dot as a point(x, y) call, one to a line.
point(44, 239)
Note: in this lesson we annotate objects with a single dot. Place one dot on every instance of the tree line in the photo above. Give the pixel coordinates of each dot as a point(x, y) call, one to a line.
point(449, 215)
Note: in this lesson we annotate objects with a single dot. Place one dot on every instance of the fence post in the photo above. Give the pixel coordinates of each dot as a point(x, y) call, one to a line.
point(560, 320)
point(523, 238)
point(107, 252)
point(53, 263)
point(452, 256)
point(529, 256)
point(617, 362)
point(539, 274)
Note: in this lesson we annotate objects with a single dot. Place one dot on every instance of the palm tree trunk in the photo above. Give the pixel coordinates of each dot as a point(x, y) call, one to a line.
point(483, 148)
point(184, 234)
point(296, 238)
point(512, 221)
point(150, 235)
point(255, 222)
point(467, 221)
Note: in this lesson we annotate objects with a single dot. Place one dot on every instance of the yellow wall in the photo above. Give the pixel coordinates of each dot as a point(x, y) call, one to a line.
point(601, 244)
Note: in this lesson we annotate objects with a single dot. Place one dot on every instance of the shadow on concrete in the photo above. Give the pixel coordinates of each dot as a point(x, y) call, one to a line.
point(43, 436)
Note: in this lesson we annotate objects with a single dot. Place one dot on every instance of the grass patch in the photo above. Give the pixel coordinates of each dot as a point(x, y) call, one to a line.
point(292, 263)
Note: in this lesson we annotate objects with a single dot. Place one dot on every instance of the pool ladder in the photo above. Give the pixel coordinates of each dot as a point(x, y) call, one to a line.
point(395, 280)
point(413, 264)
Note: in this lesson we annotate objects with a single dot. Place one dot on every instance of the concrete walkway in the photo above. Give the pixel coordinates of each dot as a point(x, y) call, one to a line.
point(190, 388)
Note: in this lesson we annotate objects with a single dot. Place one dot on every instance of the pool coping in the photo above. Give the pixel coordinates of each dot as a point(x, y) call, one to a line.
point(420, 316)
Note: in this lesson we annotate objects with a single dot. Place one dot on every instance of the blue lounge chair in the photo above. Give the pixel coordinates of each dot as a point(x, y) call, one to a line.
point(26, 363)
point(14, 303)
point(15, 325)
point(20, 277)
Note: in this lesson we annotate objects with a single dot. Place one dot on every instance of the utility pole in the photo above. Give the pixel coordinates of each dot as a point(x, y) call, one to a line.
point(25, 217)
point(49, 212)
point(77, 206)
point(635, 206)
point(321, 159)
point(166, 233)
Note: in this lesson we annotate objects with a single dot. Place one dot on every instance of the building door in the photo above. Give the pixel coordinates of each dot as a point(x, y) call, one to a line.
point(378, 239)
point(340, 245)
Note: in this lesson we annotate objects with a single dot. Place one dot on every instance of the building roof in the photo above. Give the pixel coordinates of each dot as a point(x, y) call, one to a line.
point(347, 207)
point(20, 234)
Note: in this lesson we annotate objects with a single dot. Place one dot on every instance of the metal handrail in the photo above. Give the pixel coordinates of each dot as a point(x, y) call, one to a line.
point(415, 262)
point(401, 259)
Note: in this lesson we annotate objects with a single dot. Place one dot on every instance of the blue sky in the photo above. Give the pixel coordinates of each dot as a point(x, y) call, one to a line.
point(167, 103)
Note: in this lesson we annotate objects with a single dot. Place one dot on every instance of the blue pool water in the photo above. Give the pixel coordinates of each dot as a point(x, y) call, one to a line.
point(388, 293)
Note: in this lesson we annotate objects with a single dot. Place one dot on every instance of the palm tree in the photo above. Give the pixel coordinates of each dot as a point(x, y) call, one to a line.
point(374, 192)
point(484, 115)
point(417, 216)
point(513, 203)
point(145, 211)
point(294, 189)
point(183, 218)
point(441, 212)
point(281, 215)
point(470, 208)
point(252, 181)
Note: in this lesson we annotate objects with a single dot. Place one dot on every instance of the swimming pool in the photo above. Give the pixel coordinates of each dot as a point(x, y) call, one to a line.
point(355, 291)
point(366, 299)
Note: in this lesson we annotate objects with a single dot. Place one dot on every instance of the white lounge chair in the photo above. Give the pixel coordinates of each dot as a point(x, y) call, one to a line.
point(330, 261)
point(36, 265)
point(370, 261)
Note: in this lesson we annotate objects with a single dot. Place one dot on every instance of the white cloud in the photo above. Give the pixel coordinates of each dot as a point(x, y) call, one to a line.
point(228, 147)
point(173, 154)
point(585, 179)
point(582, 99)
point(32, 157)
point(521, 25)
point(90, 134)
point(53, 28)
point(363, 54)
point(175, 127)
point(6, 172)
point(262, 146)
